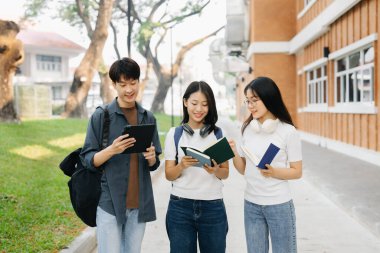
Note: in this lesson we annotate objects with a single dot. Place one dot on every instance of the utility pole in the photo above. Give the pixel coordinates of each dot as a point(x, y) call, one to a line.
point(129, 27)
point(171, 73)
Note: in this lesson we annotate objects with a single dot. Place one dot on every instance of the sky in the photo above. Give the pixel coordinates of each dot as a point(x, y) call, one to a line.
point(196, 61)
point(214, 16)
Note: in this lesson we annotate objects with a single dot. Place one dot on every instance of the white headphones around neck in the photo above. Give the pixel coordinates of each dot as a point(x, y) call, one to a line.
point(269, 125)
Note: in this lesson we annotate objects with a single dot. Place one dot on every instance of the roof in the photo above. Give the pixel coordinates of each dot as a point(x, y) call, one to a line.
point(47, 40)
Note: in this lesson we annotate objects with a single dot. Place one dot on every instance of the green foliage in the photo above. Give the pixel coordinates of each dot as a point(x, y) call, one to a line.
point(35, 208)
point(34, 8)
point(70, 14)
point(66, 10)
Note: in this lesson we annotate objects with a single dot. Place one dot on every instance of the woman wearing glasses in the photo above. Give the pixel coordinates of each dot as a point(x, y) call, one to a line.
point(268, 205)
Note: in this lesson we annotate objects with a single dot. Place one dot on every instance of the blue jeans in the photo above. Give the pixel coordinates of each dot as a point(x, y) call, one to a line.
point(188, 219)
point(116, 238)
point(278, 221)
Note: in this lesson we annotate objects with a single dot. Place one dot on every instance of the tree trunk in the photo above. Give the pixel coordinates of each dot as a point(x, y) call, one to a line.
point(164, 84)
point(75, 105)
point(107, 91)
point(11, 56)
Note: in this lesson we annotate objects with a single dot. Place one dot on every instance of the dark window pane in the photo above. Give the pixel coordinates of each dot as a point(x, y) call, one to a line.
point(341, 65)
point(351, 80)
point(354, 60)
point(319, 72)
point(359, 85)
point(316, 88)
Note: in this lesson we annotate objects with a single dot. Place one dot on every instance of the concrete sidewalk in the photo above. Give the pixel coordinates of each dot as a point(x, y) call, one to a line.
point(322, 225)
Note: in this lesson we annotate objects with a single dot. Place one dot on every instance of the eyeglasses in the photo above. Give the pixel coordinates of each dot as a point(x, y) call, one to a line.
point(248, 102)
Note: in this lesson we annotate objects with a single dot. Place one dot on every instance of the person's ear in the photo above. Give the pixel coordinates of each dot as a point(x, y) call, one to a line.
point(185, 102)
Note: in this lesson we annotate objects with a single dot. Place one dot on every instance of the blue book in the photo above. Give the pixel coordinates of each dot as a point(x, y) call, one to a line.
point(202, 158)
point(269, 155)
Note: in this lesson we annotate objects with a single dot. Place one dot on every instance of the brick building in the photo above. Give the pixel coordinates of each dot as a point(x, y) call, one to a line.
point(324, 55)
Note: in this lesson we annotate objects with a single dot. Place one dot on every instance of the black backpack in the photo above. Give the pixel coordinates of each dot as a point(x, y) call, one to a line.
point(84, 184)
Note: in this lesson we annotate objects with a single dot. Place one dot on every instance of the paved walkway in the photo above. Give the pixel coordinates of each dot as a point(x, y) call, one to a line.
point(329, 201)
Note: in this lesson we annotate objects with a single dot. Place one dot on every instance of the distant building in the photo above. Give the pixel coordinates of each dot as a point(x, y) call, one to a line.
point(47, 56)
point(324, 54)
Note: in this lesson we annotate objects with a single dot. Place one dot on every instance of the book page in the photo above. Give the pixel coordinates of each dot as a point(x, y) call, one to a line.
point(250, 155)
point(202, 158)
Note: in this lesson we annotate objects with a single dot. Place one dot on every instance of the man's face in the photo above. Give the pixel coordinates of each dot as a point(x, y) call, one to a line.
point(127, 91)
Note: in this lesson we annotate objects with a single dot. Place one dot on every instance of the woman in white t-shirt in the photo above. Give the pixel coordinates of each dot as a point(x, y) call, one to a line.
point(268, 205)
point(196, 208)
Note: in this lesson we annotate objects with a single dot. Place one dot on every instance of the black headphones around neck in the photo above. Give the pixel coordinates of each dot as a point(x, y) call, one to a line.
point(203, 132)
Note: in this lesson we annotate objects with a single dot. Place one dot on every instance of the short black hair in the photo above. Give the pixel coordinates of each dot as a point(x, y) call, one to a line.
point(212, 115)
point(125, 67)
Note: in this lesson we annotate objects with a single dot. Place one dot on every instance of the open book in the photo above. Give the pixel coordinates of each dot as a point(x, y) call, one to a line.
point(267, 158)
point(220, 151)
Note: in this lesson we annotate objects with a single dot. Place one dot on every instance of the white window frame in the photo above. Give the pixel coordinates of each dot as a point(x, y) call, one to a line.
point(57, 92)
point(315, 101)
point(49, 66)
point(358, 105)
point(306, 6)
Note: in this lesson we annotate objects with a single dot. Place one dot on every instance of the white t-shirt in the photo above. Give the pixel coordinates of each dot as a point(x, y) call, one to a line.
point(194, 182)
point(270, 191)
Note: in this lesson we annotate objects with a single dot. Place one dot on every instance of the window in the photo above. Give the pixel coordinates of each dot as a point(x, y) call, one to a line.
point(49, 63)
point(57, 92)
point(308, 2)
point(354, 77)
point(317, 85)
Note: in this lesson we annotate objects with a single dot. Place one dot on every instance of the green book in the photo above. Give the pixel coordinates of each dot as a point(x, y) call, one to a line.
point(220, 151)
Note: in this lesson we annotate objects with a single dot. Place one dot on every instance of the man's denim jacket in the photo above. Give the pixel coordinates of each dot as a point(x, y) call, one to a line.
point(116, 170)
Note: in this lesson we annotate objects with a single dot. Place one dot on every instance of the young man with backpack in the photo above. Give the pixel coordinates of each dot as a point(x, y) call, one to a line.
point(126, 201)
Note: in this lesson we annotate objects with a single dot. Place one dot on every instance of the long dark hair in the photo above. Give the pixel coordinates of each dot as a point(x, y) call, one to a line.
point(269, 93)
point(212, 115)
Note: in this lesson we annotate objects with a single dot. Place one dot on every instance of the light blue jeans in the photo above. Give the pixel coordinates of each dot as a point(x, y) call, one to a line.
point(117, 238)
point(278, 221)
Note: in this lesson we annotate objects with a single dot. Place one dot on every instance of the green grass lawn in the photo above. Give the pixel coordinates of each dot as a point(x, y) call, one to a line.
point(35, 209)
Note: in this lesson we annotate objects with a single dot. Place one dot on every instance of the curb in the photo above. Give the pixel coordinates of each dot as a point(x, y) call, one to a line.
point(84, 243)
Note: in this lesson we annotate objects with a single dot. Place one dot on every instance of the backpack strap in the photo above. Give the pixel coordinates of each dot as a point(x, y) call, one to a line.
point(177, 135)
point(106, 126)
point(218, 132)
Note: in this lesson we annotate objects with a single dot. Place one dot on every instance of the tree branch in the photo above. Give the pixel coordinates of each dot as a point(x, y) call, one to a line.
point(160, 41)
point(154, 9)
point(179, 18)
point(133, 11)
point(186, 48)
point(115, 46)
point(84, 18)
